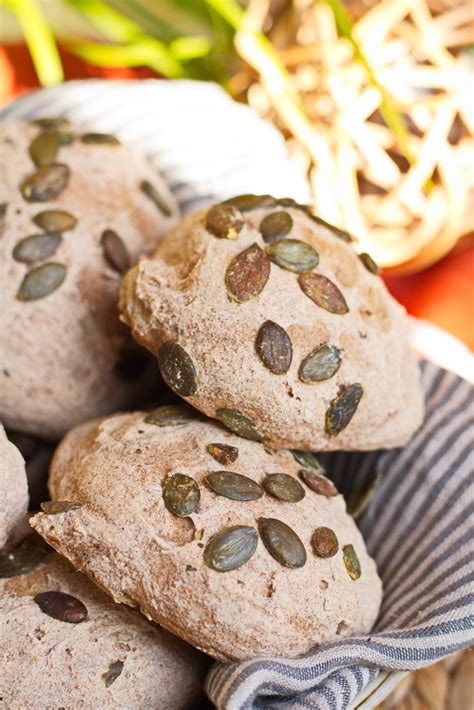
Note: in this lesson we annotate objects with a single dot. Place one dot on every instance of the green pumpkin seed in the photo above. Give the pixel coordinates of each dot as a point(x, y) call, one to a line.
point(46, 183)
point(113, 673)
point(284, 487)
point(177, 369)
point(351, 561)
point(318, 483)
point(151, 192)
point(24, 558)
point(61, 606)
point(274, 347)
point(234, 485)
point(42, 281)
point(115, 252)
point(238, 423)
point(223, 453)
point(224, 221)
point(290, 202)
point(55, 220)
point(358, 501)
point(51, 124)
point(293, 255)
point(282, 542)
point(65, 138)
point(231, 548)
point(247, 274)
point(54, 507)
point(324, 542)
point(323, 293)
point(247, 203)
point(339, 233)
point(308, 460)
point(121, 598)
point(342, 408)
point(181, 494)
point(369, 263)
point(320, 365)
point(99, 139)
point(171, 415)
point(36, 248)
point(275, 226)
point(44, 148)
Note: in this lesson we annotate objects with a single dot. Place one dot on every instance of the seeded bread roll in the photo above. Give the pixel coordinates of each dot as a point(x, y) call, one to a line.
point(238, 551)
point(85, 651)
point(13, 489)
point(76, 212)
point(265, 317)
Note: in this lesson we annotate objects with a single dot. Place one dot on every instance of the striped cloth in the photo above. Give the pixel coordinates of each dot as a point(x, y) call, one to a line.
point(419, 525)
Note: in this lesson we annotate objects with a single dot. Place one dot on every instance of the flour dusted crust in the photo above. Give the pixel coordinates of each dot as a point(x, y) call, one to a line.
point(65, 357)
point(126, 540)
point(13, 489)
point(180, 295)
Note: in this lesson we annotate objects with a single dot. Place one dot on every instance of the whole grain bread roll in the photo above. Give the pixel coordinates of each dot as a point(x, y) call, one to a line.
point(76, 211)
point(13, 489)
point(239, 551)
point(264, 316)
point(85, 652)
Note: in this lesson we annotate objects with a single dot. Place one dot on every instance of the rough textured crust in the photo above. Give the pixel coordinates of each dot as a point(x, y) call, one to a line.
point(58, 353)
point(180, 294)
point(13, 489)
point(129, 543)
point(47, 663)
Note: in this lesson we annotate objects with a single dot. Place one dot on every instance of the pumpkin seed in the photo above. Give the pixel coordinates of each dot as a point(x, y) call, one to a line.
point(50, 124)
point(99, 139)
point(131, 364)
point(36, 248)
point(61, 606)
point(171, 415)
point(247, 274)
point(239, 423)
point(323, 293)
point(223, 453)
point(230, 548)
point(321, 364)
point(47, 183)
point(282, 542)
point(247, 203)
point(181, 494)
point(224, 221)
point(115, 252)
point(290, 202)
point(44, 148)
point(318, 483)
point(177, 369)
point(151, 192)
point(284, 487)
point(42, 281)
point(293, 255)
point(324, 542)
point(339, 233)
point(120, 598)
point(369, 263)
point(113, 673)
point(234, 485)
point(24, 558)
point(275, 226)
point(308, 460)
point(342, 408)
point(358, 501)
point(274, 347)
point(53, 507)
point(65, 138)
point(55, 220)
point(351, 561)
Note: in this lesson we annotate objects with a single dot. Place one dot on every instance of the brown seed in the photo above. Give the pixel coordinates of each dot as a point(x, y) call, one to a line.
point(42, 281)
point(181, 494)
point(282, 542)
point(247, 203)
point(24, 558)
point(55, 220)
point(369, 263)
point(177, 369)
point(113, 673)
point(234, 485)
point(274, 347)
point(171, 415)
point(275, 226)
point(3, 214)
point(324, 542)
point(351, 561)
point(46, 183)
point(321, 364)
point(238, 423)
point(51, 124)
point(247, 274)
point(284, 487)
point(342, 408)
point(61, 606)
point(318, 483)
point(54, 507)
point(308, 460)
point(44, 148)
point(358, 501)
point(224, 221)
point(293, 255)
point(99, 139)
point(115, 252)
point(36, 248)
point(231, 548)
point(290, 202)
point(151, 192)
point(323, 293)
point(223, 453)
